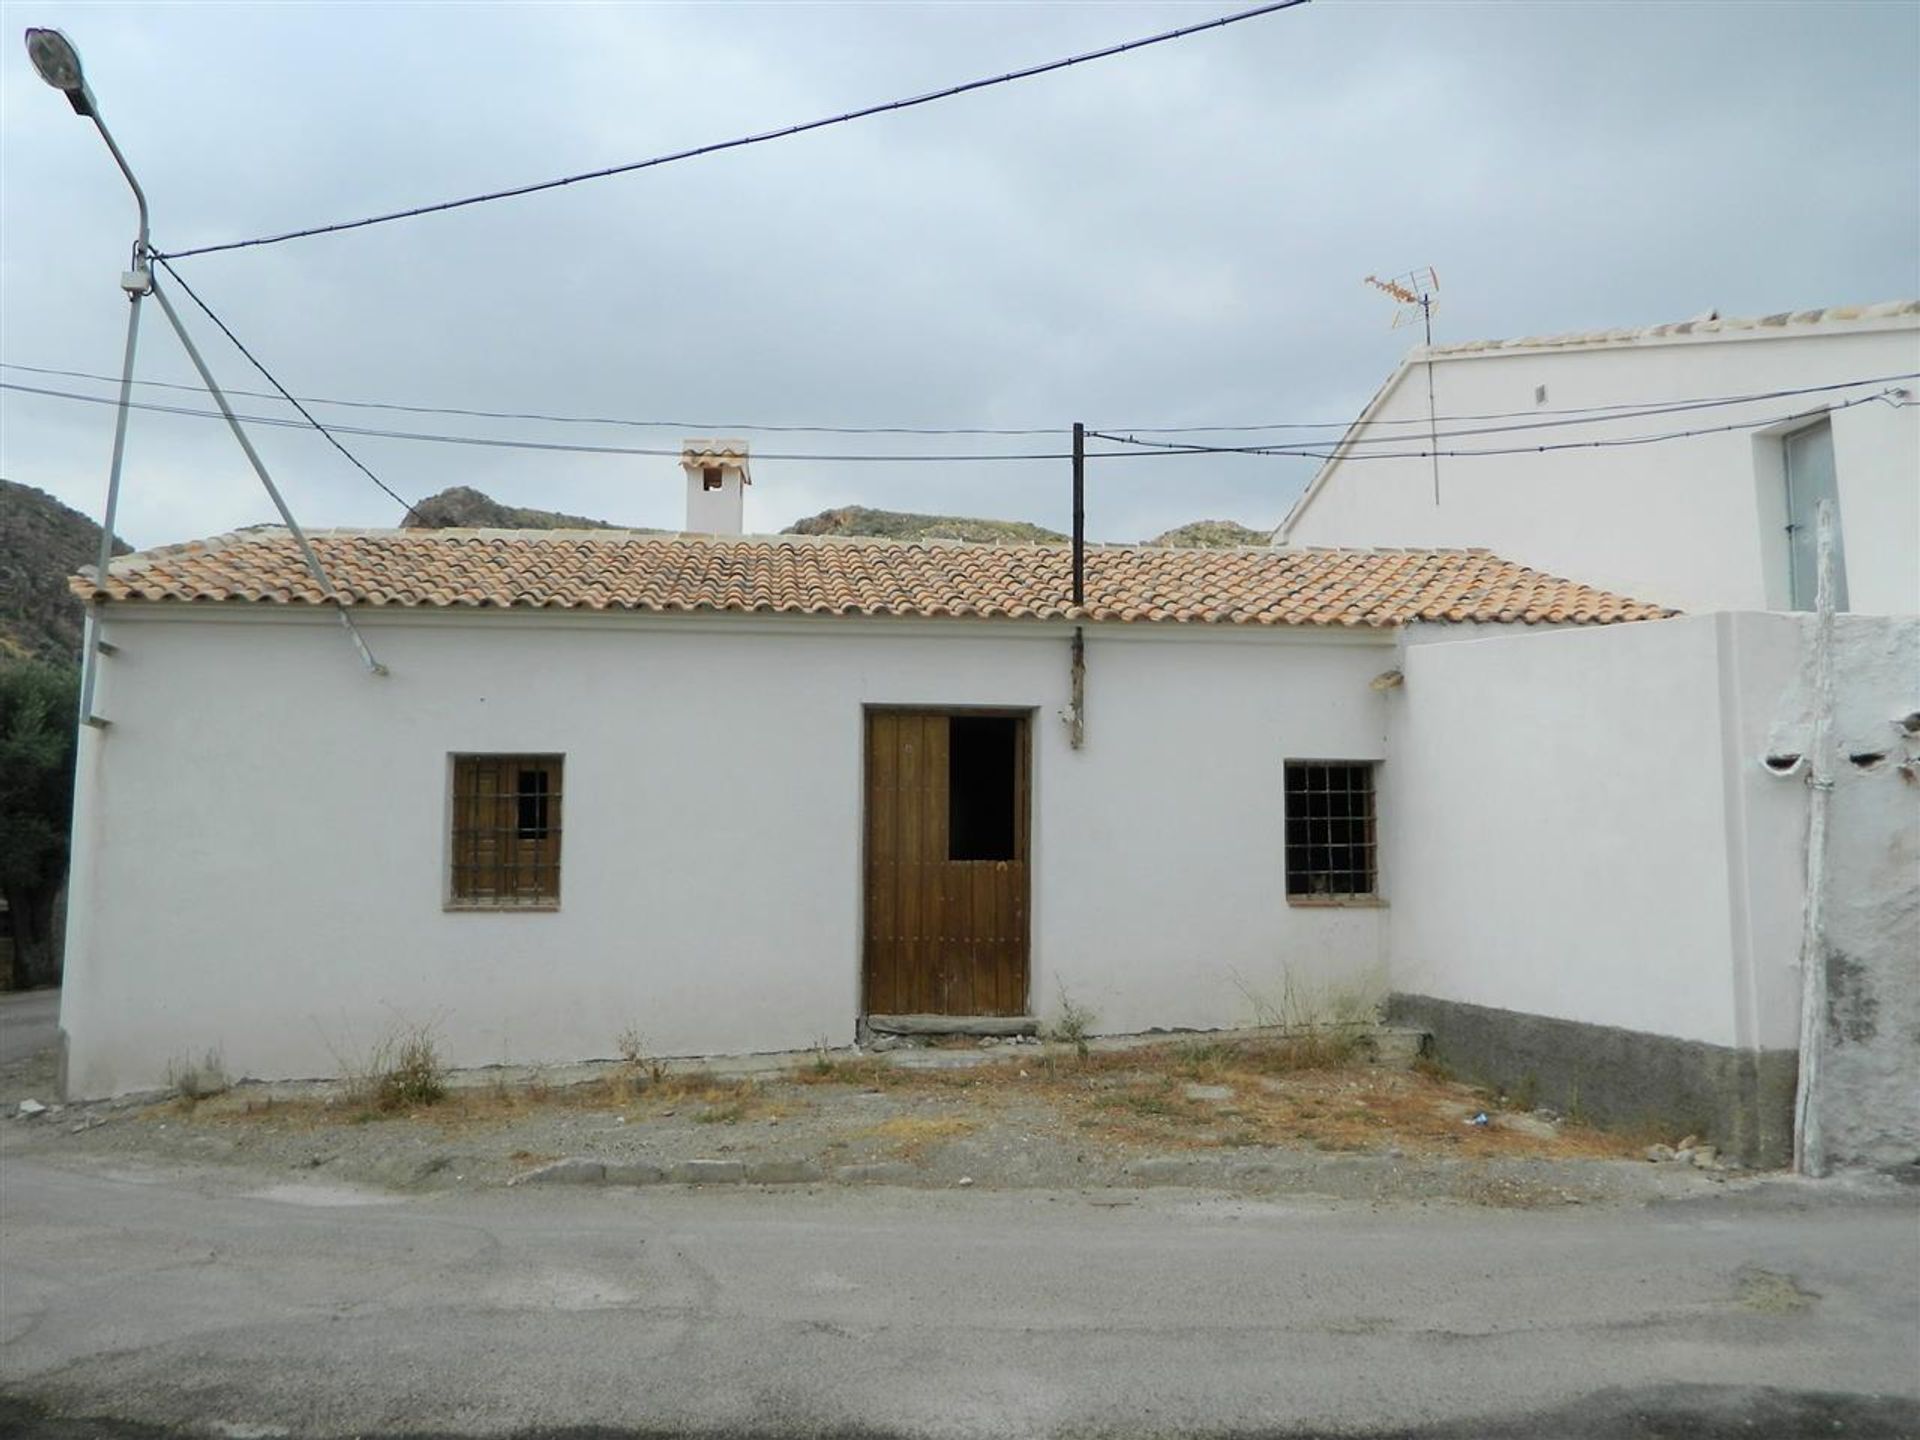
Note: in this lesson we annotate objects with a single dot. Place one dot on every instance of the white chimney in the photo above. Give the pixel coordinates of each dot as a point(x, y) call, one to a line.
point(717, 481)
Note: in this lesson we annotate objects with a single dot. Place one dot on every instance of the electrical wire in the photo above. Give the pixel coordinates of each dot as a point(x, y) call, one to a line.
point(1614, 442)
point(741, 142)
point(489, 442)
point(1346, 443)
point(1591, 413)
point(254, 360)
point(1131, 448)
point(691, 427)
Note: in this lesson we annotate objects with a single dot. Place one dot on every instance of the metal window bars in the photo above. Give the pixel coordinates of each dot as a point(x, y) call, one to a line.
point(506, 830)
point(1331, 839)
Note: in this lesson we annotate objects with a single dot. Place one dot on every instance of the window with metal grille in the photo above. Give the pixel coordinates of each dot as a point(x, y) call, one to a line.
point(1330, 831)
point(506, 830)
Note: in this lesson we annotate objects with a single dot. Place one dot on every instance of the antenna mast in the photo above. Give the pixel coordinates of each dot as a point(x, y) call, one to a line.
point(1415, 291)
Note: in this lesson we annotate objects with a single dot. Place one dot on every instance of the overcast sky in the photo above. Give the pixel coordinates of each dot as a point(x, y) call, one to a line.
point(1175, 236)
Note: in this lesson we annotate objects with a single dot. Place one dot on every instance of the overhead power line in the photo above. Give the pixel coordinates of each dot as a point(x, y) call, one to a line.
point(1589, 413)
point(743, 141)
point(1155, 447)
point(254, 361)
point(1610, 415)
point(690, 427)
point(496, 443)
point(1130, 447)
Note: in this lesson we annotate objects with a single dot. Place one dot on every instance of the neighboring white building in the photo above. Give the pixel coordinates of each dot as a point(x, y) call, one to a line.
point(1716, 521)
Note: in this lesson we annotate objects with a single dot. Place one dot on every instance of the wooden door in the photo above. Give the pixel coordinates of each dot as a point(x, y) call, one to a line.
point(947, 864)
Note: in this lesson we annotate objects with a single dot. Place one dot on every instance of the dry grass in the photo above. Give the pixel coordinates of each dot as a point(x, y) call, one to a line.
point(911, 1134)
point(637, 1092)
point(1302, 1090)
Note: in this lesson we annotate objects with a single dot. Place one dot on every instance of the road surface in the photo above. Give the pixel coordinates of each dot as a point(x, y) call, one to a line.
point(29, 1023)
point(232, 1305)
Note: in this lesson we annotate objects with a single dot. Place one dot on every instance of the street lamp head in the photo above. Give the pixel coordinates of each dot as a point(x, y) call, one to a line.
point(58, 62)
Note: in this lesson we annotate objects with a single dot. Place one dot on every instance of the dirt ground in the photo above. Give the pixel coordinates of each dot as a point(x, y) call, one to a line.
point(1259, 1115)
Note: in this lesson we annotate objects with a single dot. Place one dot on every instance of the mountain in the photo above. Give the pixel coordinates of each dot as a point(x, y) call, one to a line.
point(1209, 535)
point(461, 507)
point(903, 525)
point(42, 542)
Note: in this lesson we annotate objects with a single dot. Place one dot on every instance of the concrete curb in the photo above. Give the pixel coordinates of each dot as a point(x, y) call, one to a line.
point(580, 1170)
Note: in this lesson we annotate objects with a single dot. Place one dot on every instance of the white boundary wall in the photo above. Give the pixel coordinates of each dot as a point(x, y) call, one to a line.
point(1584, 826)
point(262, 835)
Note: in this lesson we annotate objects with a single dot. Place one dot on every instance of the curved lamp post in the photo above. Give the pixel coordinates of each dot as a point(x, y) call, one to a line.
point(58, 62)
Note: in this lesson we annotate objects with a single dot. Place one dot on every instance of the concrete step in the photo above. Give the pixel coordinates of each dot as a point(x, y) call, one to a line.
point(1002, 1027)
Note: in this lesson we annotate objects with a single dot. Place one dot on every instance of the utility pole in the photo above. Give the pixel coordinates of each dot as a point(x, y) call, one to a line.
point(1079, 514)
point(1809, 1143)
point(1077, 701)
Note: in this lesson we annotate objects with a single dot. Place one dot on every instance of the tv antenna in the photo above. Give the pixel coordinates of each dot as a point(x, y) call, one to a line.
point(1415, 291)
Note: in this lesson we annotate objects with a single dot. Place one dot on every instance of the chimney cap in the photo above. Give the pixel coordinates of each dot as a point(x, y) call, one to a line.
point(702, 454)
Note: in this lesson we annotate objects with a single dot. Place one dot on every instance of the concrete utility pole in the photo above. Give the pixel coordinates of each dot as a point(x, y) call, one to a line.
point(1809, 1145)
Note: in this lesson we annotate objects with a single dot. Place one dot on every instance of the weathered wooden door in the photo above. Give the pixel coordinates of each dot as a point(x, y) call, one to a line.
point(946, 863)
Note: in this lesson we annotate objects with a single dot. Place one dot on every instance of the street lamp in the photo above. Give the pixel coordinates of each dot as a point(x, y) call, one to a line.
point(58, 62)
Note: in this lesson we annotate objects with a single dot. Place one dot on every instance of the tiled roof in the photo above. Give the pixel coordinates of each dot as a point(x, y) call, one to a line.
point(619, 570)
point(1706, 326)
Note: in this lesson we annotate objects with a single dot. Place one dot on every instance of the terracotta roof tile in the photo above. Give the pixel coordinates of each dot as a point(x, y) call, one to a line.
point(615, 570)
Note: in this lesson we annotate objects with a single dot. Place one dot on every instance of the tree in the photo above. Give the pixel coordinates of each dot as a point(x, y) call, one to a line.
point(38, 705)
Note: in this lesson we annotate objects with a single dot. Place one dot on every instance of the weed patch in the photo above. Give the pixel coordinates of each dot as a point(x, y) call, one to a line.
point(910, 1134)
point(1071, 1025)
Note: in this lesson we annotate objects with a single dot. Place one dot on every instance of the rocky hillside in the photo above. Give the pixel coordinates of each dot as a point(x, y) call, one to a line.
point(1210, 535)
point(463, 508)
point(42, 542)
point(904, 525)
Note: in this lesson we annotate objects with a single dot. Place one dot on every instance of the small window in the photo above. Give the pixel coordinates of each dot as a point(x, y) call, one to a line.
point(710, 477)
point(1810, 480)
point(982, 761)
point(1330, 831)
point(506, 830)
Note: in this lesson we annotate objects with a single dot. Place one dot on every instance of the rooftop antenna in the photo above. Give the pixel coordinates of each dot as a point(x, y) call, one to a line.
point(1415, 291)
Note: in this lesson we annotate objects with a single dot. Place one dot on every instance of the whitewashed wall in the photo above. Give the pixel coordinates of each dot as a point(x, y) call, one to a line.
point(1583, 825)
point(1581, 828)
point(261, 837)
point(1694, 523)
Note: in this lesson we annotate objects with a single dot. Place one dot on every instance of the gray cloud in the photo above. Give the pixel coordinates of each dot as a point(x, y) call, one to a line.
point(1176, 236)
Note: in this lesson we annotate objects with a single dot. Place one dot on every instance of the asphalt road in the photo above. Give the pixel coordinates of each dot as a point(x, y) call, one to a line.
point(189, 1301)
point(29, 1023)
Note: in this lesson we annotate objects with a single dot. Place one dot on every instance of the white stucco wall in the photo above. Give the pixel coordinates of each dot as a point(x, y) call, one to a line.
point(1581, 828)
point(262, 834)
point(1583, 824)
point(1692, 523)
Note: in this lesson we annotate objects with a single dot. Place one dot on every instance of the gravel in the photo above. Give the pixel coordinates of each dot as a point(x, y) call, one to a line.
point(949, 1130)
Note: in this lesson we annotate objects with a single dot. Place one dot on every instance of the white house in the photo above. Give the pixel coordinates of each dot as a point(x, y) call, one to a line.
point(738, 794)
point(1541, 456)
point(734, 793)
